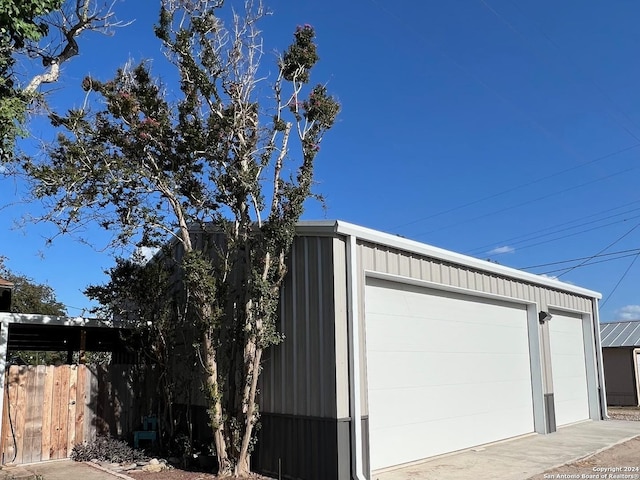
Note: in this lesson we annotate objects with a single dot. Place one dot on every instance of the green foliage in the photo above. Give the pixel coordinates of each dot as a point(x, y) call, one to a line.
point(107, 449)
point(301, 56)
point(20, 21)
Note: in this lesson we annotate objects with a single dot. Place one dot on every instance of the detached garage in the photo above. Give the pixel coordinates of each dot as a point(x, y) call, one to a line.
point(396, 351)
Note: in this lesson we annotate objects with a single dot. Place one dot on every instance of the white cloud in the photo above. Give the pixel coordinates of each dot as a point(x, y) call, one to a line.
point(146, 253)
point(501, 250)
point(628, 312)
point(552, 277)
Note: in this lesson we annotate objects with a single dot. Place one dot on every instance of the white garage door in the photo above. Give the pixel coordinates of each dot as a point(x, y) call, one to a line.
point(568, 367)
point(444, 371)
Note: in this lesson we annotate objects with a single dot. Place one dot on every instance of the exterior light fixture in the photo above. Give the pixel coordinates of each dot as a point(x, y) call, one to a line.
point(544, 317)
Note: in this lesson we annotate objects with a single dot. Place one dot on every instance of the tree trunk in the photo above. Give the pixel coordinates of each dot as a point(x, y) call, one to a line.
point(243, 467)
point(215, 407)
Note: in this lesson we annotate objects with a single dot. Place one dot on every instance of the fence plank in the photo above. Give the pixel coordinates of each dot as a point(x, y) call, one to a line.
point(55, 413)
point(33, 415)
point(91, 412)
point(48, 428)
point(63, 412)
point(81, 399)
point(21, 408)
point(12, 395)
point(71, 415)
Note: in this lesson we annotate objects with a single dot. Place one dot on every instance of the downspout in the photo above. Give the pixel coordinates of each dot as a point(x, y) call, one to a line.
point(599, 363)
point(353, 319)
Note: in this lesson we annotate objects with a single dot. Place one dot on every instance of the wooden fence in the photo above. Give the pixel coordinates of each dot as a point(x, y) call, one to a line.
point(49, 409)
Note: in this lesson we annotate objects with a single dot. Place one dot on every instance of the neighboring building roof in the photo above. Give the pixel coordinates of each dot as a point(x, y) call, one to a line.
point(620, 334)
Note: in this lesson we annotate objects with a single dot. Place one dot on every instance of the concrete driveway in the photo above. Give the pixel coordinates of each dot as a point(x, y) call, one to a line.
point(59, 470)
point(522, 457)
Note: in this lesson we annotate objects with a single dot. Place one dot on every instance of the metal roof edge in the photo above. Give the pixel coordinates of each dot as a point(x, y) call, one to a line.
point(401, 243)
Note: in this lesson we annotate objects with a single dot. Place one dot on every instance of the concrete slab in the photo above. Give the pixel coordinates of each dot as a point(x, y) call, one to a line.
point(522, 457)
point(60, 470)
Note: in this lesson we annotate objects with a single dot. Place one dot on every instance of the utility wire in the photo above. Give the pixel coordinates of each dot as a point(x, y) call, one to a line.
point(544, 197)
point(601, 251)
point(517, 109)
point(544, 232)
point(551, 272)
point(518, 187)
point(620, 281)
point(568, 60)
point(560, 262)
point(562, 237)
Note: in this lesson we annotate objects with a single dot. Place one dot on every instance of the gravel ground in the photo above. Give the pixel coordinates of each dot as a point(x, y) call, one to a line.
point(625, 413)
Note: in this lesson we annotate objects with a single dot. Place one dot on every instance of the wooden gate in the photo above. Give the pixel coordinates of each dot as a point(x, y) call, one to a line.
point(49, 409)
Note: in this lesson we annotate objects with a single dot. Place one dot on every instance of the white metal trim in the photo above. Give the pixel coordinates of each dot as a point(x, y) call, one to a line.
point(635, 353)
point(394, 241)
point(354, 359)
point(36, 319)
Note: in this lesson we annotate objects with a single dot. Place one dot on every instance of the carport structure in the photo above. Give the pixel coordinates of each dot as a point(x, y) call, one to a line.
point(397, 351)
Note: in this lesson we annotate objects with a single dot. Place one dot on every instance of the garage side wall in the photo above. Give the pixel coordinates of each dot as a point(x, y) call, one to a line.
point(619, 376)
point(304, 422)
point(383, 259)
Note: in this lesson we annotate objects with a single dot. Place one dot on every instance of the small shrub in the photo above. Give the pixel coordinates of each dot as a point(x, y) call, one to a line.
point(106, 449)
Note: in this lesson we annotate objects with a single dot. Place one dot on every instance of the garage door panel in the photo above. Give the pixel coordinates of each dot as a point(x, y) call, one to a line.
point(444, 372)
point(568, 364)
point(457, 335)
point(444, 401)
point(422, 446)
point(461, 368)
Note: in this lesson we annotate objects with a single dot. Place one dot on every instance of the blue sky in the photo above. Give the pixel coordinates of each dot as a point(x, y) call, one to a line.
point(505, 129)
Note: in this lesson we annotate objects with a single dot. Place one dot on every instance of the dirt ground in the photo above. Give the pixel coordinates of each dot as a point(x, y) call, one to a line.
point(621, 461)
point(177, 474)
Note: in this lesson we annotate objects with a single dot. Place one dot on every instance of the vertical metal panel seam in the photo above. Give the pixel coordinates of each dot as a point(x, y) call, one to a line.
point(321, 324)
point(294, 311)
point(307, 353)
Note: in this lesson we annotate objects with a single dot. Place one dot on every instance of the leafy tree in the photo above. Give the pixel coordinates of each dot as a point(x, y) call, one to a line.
point(38, 35)
point(217, 159)
point(140, 294)
point(36, 298)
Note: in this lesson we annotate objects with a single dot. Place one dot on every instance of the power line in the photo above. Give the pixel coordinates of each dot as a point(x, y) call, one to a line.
point(528, 202)
point(562, 237)
point(560, 262)
point(601, 251)
point(516, 108)
point(620, 281)
point(550, 272)
point(544, 232)
point(518, 187)
point(569, 60)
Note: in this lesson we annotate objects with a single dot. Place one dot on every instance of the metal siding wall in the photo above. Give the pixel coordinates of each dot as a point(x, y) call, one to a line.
point(299, 375)
point(379, 258)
